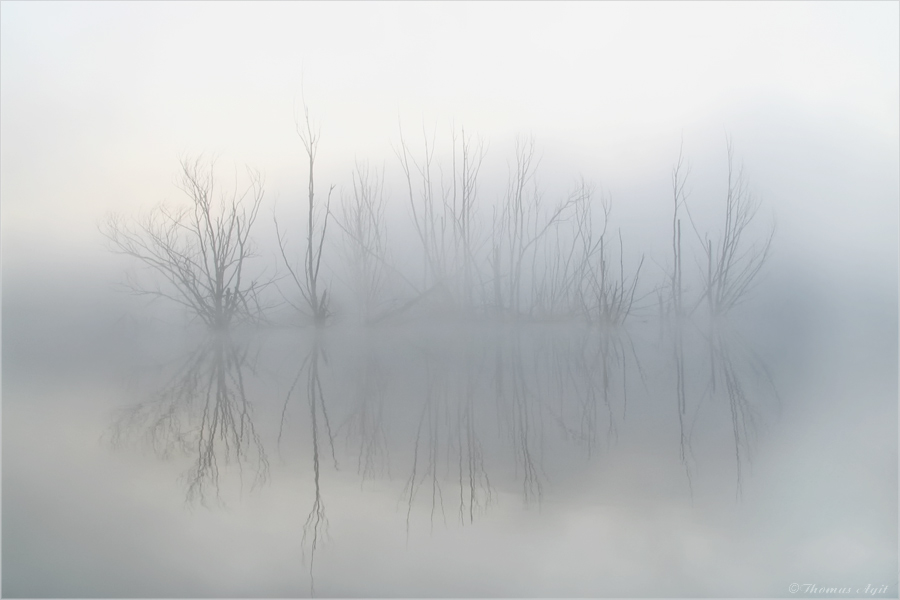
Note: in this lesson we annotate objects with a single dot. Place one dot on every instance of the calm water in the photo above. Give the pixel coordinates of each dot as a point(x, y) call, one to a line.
point(451, 460)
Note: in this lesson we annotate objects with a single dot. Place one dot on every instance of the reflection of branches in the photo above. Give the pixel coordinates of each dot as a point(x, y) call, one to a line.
point(448, 426)
point(203, 410)
point(471, 452)
point(681, 398)
point(520, 409)
point(570, 374)
point(744, 417)
point(367, 420)
point(429, 426)
point(592, 369)
point(316, 525)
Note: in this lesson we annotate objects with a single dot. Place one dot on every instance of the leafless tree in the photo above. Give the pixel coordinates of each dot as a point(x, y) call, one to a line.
point(426, 214)
point(519, 225)
point(306, 277)
point(363, 223)
point(734, 263)
point(459, 202)
point(579, 276)
point(444, 214)
point(200, 250)
point(680, 173)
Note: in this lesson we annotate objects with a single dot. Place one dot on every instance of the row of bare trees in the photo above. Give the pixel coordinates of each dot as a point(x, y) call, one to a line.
point(530, 257)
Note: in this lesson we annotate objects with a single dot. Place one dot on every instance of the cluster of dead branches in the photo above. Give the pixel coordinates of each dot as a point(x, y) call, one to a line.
point(534, 257)
point(538, 259)
point(201, 250)
point(316, 302)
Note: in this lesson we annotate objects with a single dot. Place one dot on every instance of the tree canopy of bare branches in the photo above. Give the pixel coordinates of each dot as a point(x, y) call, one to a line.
point(306, 277)
point(201, 249)
point(734, 263)
point(362, 222)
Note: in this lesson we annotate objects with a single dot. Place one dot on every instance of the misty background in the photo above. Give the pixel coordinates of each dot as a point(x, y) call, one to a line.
point(100, 102)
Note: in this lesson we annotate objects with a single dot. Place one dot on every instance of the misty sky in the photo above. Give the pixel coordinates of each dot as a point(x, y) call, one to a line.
point(100, 100)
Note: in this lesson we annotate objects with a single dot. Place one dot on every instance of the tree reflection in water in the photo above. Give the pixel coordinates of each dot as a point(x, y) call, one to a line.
point(364, 428)
point(591, 370)
point(315, 528)
point(732, 360)
point(470, 415)
point(448, 453)
point(202, 412)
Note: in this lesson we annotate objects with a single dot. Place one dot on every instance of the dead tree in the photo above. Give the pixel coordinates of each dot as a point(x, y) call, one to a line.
point(579, 269)
point(445, 219)
point(520, 225)
point(680, 174)
point(306, 277)
point(363, 224)
point(733, 263)
point(200, 250)
point(431, 228)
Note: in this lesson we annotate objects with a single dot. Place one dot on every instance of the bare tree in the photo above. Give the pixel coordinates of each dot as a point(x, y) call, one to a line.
point(363, 224)
point(734, 263)
point(459, 202)
point(315, 297)
point(428, 221)
point(200, 250)
point(519, 226)
point(445, 219)
point(732, 266)
point(679, 179)
point(680, 174)
point(580, 276)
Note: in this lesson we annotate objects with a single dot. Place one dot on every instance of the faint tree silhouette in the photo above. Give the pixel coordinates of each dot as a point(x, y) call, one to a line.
point(733, 263)
point(520, 224)
point(306, 277)
point(444, 214)
point(680, 173)
point(200, 250)
point(363, 223)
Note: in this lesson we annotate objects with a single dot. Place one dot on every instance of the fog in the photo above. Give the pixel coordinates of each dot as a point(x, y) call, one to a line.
point(595, 300)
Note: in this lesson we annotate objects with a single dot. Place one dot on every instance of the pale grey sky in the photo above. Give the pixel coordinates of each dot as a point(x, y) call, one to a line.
point(99, 100)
